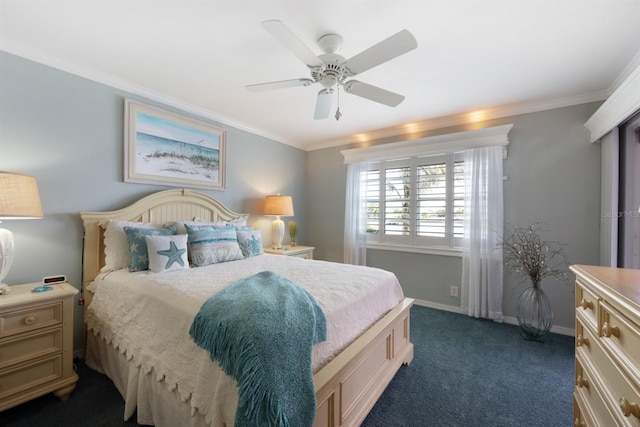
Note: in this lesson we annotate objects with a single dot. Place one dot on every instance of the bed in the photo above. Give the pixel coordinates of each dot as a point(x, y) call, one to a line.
point(349, 376)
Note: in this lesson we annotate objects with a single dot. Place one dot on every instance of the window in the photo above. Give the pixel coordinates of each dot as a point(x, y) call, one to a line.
point(416, 201)
point(410, 195)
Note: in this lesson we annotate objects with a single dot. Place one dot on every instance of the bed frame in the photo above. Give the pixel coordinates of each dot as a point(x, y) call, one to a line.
point(348, 386)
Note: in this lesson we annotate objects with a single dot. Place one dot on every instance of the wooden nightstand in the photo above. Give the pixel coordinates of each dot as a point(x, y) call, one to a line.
point(305, 252)
point(36, 343)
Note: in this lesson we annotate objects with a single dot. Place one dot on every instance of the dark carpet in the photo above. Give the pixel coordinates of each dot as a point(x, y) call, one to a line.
point(465, 372)
point(470, 372)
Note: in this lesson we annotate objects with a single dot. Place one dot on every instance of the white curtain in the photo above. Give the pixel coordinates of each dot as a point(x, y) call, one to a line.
point(355, 235)
point(481, 290)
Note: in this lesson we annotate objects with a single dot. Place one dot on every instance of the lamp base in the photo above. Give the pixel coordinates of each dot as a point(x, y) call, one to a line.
point(277, 233)
point(6, 253)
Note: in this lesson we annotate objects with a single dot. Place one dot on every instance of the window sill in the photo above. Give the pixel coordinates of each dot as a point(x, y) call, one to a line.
point(444, 251)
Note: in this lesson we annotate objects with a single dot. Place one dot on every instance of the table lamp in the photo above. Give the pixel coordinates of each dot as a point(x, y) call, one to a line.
point(19, 199)
point(278, 206)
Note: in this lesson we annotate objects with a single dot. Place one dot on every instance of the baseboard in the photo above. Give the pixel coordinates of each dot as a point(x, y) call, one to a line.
point(437, 306)
point(561, 330)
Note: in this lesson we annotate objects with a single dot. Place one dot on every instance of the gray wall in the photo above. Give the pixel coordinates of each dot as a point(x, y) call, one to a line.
point(554, 177)
point(68, 132)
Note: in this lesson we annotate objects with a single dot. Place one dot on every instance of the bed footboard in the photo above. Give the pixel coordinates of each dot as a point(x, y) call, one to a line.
point(349, 385)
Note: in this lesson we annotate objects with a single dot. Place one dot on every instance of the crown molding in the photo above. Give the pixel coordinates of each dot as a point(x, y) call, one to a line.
point(624, 101)
point(399, 132)
point(466, 118)
point(138, 90)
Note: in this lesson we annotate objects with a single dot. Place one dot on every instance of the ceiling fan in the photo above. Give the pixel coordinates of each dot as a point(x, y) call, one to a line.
point(332, 70)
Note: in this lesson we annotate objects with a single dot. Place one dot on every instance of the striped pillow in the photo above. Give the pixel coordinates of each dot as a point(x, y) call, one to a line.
point(209, 245)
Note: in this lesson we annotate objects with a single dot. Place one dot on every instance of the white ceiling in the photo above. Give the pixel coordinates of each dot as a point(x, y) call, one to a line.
point(475, 58)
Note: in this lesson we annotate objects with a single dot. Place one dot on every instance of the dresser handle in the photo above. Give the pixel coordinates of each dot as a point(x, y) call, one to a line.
point(581, 382)
point(30, 320)
point(608, 330)
point(629, 408)
point(582, 341)
point(578, 423)
point(585, 304)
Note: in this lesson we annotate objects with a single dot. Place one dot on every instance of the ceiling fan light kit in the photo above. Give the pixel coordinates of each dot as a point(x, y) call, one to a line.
point(331, 70)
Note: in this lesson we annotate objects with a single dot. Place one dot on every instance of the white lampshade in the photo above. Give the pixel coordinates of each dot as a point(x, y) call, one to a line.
point(278, 206)
point(19, 199)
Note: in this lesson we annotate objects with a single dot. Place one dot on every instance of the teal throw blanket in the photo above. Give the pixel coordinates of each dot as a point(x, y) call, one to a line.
point(261, 331)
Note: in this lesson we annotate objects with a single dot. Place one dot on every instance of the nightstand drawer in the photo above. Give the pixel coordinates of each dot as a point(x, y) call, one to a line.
point(29, 319)
point(29, 376)
point(303, 255)
point(305, 252)
point(21, 348)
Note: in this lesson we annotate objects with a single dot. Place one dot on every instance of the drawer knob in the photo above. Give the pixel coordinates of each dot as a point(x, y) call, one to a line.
point(582, 382)
point(608, 330)
point(30, 320)
point(585, 304)
point(578, 423)
point(629, 408)
point(580, 340)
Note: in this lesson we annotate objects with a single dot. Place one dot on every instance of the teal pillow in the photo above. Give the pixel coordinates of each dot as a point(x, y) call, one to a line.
point(209, 245)
point(138, 245)
point(250, 242)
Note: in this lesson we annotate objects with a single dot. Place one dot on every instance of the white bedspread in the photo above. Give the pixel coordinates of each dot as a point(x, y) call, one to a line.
point(147, 316)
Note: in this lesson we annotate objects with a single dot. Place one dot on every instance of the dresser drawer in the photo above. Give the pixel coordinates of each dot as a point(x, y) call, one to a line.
point(615, 383)
point(590, 391)
point(621, 338)
point(31, 318)
point(20, 348)
point(30, 376)
point(582, 415)
point(587, 304)
point(582, 336)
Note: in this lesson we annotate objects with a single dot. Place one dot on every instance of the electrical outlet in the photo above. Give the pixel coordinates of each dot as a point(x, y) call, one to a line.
point(454, 291)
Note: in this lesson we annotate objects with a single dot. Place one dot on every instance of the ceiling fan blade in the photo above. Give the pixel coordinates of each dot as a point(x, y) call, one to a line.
point(396, 45)
point(279, 85)
point(292, 42)
point(373, 93)
point(323, 104)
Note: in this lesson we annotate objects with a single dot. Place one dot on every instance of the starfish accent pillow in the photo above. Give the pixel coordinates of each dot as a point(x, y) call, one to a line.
point(167, 253)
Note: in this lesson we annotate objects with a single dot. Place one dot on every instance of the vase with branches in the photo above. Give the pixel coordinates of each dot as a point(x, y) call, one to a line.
point(533, 259)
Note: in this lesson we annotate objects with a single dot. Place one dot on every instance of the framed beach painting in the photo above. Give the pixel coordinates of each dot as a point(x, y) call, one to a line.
point(165, 148)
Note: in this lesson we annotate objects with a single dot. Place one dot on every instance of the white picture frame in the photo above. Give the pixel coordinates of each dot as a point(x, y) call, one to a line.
point(165, 148)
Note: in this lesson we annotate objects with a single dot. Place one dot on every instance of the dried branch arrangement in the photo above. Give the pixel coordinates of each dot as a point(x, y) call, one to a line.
point(530, 257)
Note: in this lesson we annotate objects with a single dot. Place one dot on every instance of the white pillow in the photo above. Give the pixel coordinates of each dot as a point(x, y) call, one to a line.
point(116, 248)
point(167, 253)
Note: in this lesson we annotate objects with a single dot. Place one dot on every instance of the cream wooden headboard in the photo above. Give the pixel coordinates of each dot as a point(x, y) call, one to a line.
point(161, 207)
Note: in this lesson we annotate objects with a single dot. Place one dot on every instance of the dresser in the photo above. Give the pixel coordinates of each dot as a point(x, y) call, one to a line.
point(36, 343)
point(305, 252)
point(607, 367)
